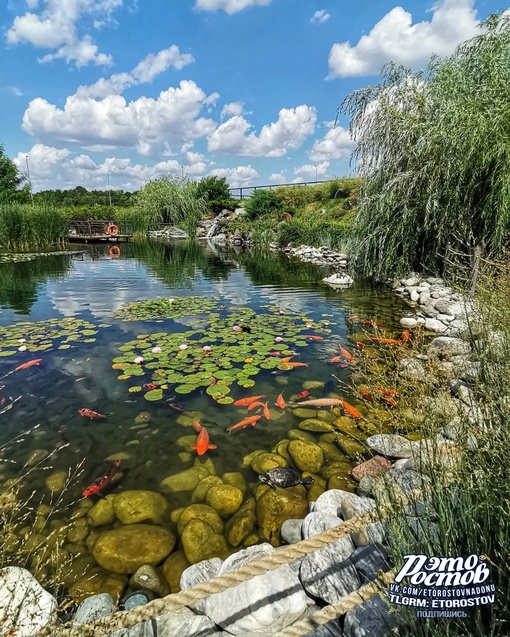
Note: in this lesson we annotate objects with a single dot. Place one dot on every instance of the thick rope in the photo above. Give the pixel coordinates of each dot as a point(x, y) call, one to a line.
point(334, 611)
point(123, 619)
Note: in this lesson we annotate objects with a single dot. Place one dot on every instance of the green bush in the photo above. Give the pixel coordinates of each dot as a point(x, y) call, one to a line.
point(213, 188)
point(298, 196)
point(262, 203)
point(313, 230)
point(217, 205)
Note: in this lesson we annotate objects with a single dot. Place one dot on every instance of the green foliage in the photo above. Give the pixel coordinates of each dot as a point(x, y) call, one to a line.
point(433, 148)
point(81, 197)
point(211, 188)
point(217, 205)
point(314, 229)
point(30, 226)
point(10, 178)
point(299, 196)
point(262, 203)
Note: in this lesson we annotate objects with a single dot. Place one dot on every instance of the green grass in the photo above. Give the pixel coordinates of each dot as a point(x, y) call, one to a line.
point(30, 226)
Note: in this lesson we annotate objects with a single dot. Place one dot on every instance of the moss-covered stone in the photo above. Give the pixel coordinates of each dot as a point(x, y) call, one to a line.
point(343, 482)
point(135, 507)
point(201, 512)
point(314, 424)
point(184, 456)
point(251, 540)
point(176, 514)
point(297, 434)
point(225, 499)
point(326, 414)
point(334, 468)
point(350, 447)
point(76, 568)
point(200, 542)
point(102, 512)
point(126, 549)
point(281, 449)
point(150, 578)
point(186, 442)
point(98, 582)
point(306, 455)
point(78, 531)
point(274, 507)
point(173, 567)
point(203, 487)
point(240, 527)
point(312, 384)
point(247, 460)
point(185, 480)
point(304, 412)
point(265, 461)
point(57, 481)
point(331, 452)
point(235, 479)
point(347, 425)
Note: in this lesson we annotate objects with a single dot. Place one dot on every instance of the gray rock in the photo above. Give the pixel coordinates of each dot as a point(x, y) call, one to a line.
point(368, 561)
point(197, 574)
point(425, 530)
point(442, 305)
point(328, 573)
point(411, 281)
point(415, 295)
point(263, 605)
point(433, 325)
point(448, 346)
point(470, 370)
point(339, 280)
point(94, 608)
point(406, 480)
point(291, 531)
point(185, 625)
point(331, 629)
point(316, 522)
point(373, 533)
point(408, 322)
point(219, 238)
point(365, 486)
point(429, 311)
point(455, 384)
point(151, 579)
point(411, 369)
point(330, 502)
point(24, 604)
point(143, 629)
point(370, 619)
point(391, 445)
point(445, 318)
point(424, 297)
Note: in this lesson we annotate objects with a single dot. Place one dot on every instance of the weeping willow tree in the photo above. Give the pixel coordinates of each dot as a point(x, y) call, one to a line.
point(434, 150)
point(174, 200)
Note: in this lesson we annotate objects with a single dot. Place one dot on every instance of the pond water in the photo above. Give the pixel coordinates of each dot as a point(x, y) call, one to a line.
point(82, 292)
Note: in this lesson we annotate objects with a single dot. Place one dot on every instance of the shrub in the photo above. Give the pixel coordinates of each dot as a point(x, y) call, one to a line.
point(217, 205)
point(262, 203)
point(297, 196)
point(213, 188)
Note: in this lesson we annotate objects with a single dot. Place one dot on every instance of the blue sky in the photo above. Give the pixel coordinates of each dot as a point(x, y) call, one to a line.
point(246, 89)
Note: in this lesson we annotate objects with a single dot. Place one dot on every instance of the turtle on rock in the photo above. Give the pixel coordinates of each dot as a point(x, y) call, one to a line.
point(283, 477)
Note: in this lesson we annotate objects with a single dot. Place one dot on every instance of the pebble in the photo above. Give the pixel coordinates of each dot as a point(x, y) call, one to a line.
point(94, 608)
point(433, 325)
point(390, 445)
point(291, 531)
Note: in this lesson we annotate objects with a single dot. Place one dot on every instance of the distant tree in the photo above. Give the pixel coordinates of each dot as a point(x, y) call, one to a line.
point(10, 177)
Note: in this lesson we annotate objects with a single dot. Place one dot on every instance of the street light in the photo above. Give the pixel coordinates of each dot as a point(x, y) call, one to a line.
point(315, 166)
point(29, 180)
point(109, 191)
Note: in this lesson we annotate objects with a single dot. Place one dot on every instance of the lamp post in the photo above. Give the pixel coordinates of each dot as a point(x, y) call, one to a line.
point(29, 180)
point(109, 191)
point(315, 166)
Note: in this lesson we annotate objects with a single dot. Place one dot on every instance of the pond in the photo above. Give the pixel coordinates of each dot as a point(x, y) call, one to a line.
point(236, 315)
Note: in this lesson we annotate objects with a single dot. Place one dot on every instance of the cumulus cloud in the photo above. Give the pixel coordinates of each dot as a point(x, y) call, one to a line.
point(55, 27)
point(61, 168)
point(319, 17)
point(336, 143)
point(307, 172)
point(151, 126)
point(236, 177)
point(395, 38)
point(144, 72)
point(294, 125)
point(234, 108)
point(278, 178)
point(229, 6)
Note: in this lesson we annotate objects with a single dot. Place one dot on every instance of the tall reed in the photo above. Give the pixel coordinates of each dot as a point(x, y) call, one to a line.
point(27, 226)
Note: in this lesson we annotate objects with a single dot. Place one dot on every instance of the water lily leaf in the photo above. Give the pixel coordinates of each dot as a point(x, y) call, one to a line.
point(154, 394)
point(285, 368)
point(248, 383)
point(185, 389)
point(217, 390)
point(123, 377)
point(4, 353)
point(228, 400)
point(134, 390)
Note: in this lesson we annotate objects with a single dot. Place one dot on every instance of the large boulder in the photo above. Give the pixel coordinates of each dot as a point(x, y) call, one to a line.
point(198, 574)
point(124, 550)
point(25, 607)
point(201, 542)
point(263, 605)
point(134, 507)
point(306, 455)
point(274, 507)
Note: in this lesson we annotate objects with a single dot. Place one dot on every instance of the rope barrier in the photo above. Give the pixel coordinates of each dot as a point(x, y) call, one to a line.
point(287, 554)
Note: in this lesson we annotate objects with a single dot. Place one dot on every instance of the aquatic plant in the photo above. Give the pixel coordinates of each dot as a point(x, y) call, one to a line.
point(29, 226)
point(432, 149)
point(215, 355)
point(43, 335)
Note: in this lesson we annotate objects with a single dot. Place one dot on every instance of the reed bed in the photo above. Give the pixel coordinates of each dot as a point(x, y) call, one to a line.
point(26, 226)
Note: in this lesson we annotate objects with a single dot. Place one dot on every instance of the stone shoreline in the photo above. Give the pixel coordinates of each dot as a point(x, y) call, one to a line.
point(273, 601)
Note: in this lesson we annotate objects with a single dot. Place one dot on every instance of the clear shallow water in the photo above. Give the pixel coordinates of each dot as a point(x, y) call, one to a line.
point(92, 286)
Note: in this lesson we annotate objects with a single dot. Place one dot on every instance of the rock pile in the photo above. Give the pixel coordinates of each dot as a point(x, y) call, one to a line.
point(320, 256)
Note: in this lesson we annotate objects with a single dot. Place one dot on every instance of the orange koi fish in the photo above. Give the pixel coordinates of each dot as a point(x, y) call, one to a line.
point(88, 413)
point(213, 381)
point(345, 354)
point(286, 361)
point(386, 341)
point(149, 386)
point(196, 426)
point(96, 487)
point(312, 337)
point(406, 335)
point(26, 365)
point(255, 405)
point(280, 402)
point(362, 345)
point(293, 365)
point(372, 323)
point(336, 359)
point(352, 318)
point(266, 412)
point(252, 420)
point(244, 402)
point(303, 394)
point(389, 400)
point(366, 395)
point(387, 392)
point(350, 410)
point(202, 444)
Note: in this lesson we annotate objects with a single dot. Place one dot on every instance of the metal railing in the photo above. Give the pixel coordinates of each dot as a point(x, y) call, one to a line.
point(243, 192)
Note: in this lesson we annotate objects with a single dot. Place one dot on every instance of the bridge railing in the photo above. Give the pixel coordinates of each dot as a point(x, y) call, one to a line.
point(244, 192)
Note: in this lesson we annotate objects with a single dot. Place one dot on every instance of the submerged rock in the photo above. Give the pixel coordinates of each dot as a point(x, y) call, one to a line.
point(185, 480)
point(201, 512)
point(265, 461)
point(263, 605)
point(133, 507)
point(126, 549)
point(173, 567)
point(102, 512)
point(97, 582)
point(200, 542)
point(306, 456)
point(225, 499)
point(149, 578)
point(274, 507)
point(240, 527)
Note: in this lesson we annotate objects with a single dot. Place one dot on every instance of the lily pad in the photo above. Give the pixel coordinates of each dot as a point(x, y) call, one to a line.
point(154, 394)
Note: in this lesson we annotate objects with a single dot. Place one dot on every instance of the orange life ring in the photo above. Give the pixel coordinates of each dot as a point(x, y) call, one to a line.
point(114, 252)
point(112, 230)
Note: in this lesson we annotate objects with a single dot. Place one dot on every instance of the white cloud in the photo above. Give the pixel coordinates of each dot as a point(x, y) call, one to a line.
point(278, 178)
point(60, 168)
point(144, 72)
point(395, 38)
point(55, 27)
point(229, 6)
point(319, 17)
point(336, 143)
point(236, 177)
point(308, 171)
point(234, 108)
point(151, 126)
point(275, 139)
point(15, 90)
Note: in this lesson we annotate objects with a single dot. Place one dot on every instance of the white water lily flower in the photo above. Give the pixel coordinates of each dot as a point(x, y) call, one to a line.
point(22, 349)
point(171, 300)
point(183, 347)
point(156, 350)
point(22, 340)
point(138, 360)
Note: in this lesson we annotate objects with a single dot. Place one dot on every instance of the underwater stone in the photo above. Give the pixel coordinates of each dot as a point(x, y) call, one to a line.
point(200, 542)
point(306, 456)
point(265, 461)
point(225, 499)
point(313, 424)
point(134, 507)
point(126, 549)
point(173, 567)
point(201, 512)
point(274, 507)
point(312, 384)
point(185, 480)
point(151, 579)
point(297, 434)
point(102, 512)
point(235, 479)
point(240, 527)
point(203, 487)
point(98, 582)
point(303, 412)
point(56, 482)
